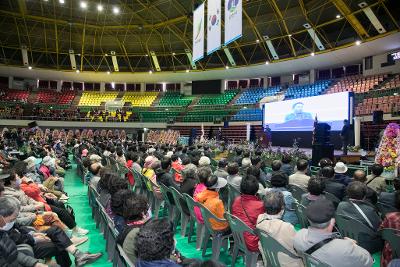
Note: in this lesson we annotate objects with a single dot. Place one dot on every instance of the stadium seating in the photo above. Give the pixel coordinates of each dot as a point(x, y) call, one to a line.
point(386, 103)
point(221, 99)
point(393, 83)
point(140, 99)
point(157, 116)
point(357, 84)
point(253, 114)
point(205, 115)
point(253, 95)
point(110, 117)
point(175, 99)
point(14, 95)
point(96, 98)
point(307, 90)
point(54, 97)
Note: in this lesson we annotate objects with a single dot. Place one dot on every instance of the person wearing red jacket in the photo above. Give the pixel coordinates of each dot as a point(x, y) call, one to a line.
point(177, 166)
point(247, 207)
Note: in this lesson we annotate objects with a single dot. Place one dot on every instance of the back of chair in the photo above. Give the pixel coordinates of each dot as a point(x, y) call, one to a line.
point(301, 215)
point(190, 203)
point(392, 236)
point(271, 247)
point(232, 194)
point(311, 261)
point(296, 191)
point(238, 227)
point(207, 215)
point(177, 198)
point(164, 191)
point(351, 227)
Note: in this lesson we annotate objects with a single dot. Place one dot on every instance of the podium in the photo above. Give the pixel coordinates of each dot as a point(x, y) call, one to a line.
point(322, 147)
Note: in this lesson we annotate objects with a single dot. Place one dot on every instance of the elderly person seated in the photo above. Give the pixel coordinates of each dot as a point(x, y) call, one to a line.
point(371, 196)
point(234, 179)
point(279, 184)
point(221, 169)
point(315, 188)
point(375, 181)
point(340, 173)
point(204, 161)
point(300, 178)
point(283, 232)
point(331, 185)
point(50, 243)
point(357, 207)
point(319, 240)
point(248, 207)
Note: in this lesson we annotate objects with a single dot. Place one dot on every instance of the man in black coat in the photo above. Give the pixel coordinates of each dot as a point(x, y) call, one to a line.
point(345, 135)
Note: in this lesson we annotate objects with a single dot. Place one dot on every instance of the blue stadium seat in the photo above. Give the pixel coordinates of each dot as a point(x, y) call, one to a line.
point(252, 114)
point(307, 90)
point(253, 95)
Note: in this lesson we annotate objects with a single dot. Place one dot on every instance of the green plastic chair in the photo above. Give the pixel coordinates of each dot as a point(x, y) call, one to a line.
point(238, 228)
point(311, 261)
point(139, 187)
point(232, 194)
point(296, 191)
point(173, 212)
point(185, 218)
point(217, 240)
point(270, 249)
point(392, 236)
point(353, 228)
point(200, 228)
point(300, 212)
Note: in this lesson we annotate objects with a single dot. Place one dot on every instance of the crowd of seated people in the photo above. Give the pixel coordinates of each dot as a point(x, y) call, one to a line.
point(266, 201)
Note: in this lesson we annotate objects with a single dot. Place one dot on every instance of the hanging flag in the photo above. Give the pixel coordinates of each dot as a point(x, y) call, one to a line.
point(213, 25)
point(315, 127)
point(198, 33)
point(233, 20)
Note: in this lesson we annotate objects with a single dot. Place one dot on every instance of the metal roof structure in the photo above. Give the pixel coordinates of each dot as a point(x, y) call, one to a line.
point(134, 29)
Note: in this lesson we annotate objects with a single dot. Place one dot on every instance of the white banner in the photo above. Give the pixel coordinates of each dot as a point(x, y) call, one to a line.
point(213, 25)
point(198, 33)
point(233, 20)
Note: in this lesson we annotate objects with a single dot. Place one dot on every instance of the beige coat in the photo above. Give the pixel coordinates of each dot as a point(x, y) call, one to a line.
point(284, 233)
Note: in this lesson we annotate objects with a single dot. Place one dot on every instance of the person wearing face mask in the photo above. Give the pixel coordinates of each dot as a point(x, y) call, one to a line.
point(50, 243)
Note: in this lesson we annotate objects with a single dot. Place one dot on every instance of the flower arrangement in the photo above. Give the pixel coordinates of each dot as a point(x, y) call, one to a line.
point(389, 148)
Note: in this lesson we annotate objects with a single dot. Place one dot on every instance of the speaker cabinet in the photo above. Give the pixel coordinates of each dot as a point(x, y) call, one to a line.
point(320, 151)
point(377, 117)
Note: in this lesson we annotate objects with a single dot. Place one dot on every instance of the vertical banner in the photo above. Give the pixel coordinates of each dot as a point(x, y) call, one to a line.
point(198, 33)
point(213, 25)
point(233, 20)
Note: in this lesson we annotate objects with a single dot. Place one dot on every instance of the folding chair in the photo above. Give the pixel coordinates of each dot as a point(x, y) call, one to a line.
point(172, 209)
point(271, 248)
point(185, 218)
point(311, 261)
point(392, 236)
point(217, 239)
point(238, 228)
point(300, 212)
point(232, 194)
point(296, 191)
point(200, 228)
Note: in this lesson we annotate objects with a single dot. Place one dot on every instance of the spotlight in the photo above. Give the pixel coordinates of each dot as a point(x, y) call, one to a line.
point(257, 41)
point(290, 35)
point(61, 1)
point(358, 42)
point(116, 10)
point(30, 67)
point(267, 62)
point(312, 54)
point(83, 4)
point(227, 67)
point(108, 72)
point(100, 7)
point(173, 53)
point(338, 16)
point(77, 71)
point(150, 72)
point(187, 71)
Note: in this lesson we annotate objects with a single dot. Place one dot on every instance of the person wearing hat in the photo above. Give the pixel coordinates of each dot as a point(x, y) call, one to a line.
point(31, 169)
point(45, 167)
point(94, 158)
point(210, 199)
point(319, 240)
point(279, 182)
point(340, 173)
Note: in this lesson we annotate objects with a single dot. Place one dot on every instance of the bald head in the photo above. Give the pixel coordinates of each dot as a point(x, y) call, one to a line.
point(359, 175)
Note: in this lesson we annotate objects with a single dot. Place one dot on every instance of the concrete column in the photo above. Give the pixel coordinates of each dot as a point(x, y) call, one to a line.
point(59, 86)
point(102, 86)
point(182, 91)
point(142, 87)
point(10, 81)
point(313, 76)
point(265, 82)
point(248, 128)
point(224, 85)
point(357, 131)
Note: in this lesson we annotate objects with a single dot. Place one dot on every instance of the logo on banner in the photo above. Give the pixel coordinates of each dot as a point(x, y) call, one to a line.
point(214, 20)
point(232, 4)
point(198, 30)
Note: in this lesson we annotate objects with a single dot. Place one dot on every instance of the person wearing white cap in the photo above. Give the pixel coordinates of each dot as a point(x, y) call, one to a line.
point(32, 162)
point(340, 173)
point(210, 199)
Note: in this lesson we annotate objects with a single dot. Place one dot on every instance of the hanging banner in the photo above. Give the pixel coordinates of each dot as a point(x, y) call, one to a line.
point(233, 20)
point(213, 25)
point(198, 33)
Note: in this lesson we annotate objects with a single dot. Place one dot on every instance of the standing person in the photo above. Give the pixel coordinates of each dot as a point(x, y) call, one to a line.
point(345, 135)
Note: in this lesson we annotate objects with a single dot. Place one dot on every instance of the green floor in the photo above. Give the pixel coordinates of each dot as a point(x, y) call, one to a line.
point(79, 201)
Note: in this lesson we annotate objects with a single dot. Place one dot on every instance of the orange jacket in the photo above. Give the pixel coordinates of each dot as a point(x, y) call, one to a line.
point(33, 191)
point(210, 199)
point(178, 169)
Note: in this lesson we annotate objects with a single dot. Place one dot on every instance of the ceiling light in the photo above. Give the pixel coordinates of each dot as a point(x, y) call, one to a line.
point(267, 62)
point(100, 7)
point(358, 42)
point(30, 67)
point(108, 72)
point(150, 72)
point(338, 16)
point(257, 41)
point(147, 55)
point(312, 54)
point(173, 53)
point(290, 35)
point(116, 10)
point(61, 1)
point(77, 71)
point(227, 67)
point(187, 71)
point(83, 4)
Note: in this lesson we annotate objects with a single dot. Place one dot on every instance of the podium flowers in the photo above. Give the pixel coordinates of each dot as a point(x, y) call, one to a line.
point(389, 149)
